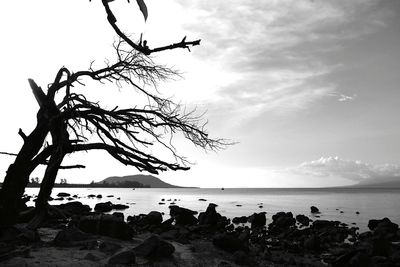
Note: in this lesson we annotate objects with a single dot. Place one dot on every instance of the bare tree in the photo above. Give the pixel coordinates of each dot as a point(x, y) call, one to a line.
point(125, 133)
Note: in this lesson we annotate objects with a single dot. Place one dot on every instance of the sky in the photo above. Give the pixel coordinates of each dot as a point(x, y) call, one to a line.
point(308, 89)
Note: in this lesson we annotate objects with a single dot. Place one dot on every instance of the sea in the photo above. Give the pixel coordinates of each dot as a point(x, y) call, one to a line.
point(354, 206)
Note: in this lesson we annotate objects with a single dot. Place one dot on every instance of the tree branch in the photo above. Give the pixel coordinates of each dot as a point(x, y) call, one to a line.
point(139, 47)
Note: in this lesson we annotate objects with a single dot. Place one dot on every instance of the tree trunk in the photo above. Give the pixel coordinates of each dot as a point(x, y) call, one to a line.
point(60, 139)
point(18, 173)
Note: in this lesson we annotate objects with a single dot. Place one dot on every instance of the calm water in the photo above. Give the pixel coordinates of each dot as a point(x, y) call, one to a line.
point(371, 203)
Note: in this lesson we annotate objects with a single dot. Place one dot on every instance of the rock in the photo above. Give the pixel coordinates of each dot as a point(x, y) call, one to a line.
point(153, 218)
point(183, 216)
point(210, 216)
point(314, 209)
point(323, 224)
point(91, 195)
point(70, 198)
point(105, 224)
point(58, 198)
point(72, 237)
point(383, 227)
point(119, 206)
point(312, 243)
point(202, 199)
point(154, 247)
point(281, 221)
point(91, 257)
point(257, 220)
point(75, 208)
point(75, 196)
point(161, 203)
point(109, 247)
point(103, 206)
point(118, 215)
point(242, 258)
point(99, 196)
point(228, 242)
point(110, 196)
point(124, 257)
point(303, 220)
point(63, 194)
point(242, 219)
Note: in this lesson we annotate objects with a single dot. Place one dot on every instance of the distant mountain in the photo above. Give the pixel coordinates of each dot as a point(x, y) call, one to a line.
point(150, 180)
point(388, 182)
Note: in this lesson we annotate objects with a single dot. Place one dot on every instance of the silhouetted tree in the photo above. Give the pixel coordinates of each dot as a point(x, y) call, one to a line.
point(126, 134)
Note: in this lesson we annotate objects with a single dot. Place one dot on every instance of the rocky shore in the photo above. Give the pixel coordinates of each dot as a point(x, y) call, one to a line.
point(74, 235)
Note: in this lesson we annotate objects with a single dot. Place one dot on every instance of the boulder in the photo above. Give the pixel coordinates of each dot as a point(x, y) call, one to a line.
point(314, 209)
point(242, 219)
point(154, 247)
point(105, 224)
point(63, 194)
point(91, 195)
point(281, 221)
point(183, 216)
point(75, 208)
point(72, 237)
point(125, 257)
point(303, 220)
point(210, 216)
point(109, 247)
point(118, 215)
point(99, 196)
point(119, 206)
point(257, 220)
point(103, 206)
point(153, 218)
point(229, 242)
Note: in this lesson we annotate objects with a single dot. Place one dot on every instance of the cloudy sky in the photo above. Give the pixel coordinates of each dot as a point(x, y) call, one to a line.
point(308, 88)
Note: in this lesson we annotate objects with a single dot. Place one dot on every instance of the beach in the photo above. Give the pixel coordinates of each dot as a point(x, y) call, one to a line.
point(86, 228)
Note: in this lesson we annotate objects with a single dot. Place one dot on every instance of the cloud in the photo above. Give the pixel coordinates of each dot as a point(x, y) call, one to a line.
point(275, 50)
point(353, 170)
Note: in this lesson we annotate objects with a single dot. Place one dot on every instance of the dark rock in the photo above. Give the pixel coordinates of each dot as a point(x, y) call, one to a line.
point(229, 242)
point(210, 216)
point(242, 258)
point(110, 196)
point(105, 224)
point(182, 216)
point(91, 195)
point(118, 215)
point(99, 196)
point(312, 243)
point(202, 199)
point(322, 224)
point(75, 208)
point(281, 221)
point(75, 196)
point(383, 227)
point(238, 205)
point(91, 257)
point(58, 198)
point(154, 217)
point(303, 220)
point(257, 220)
point(154, 247)
point(242, 219)
point(104, 206)
point(124, 257)
point(72, 237)
point(119, 206)
point(63, 194)
point(161, 203)
point(109, 247)
point(314, 209)
point(70, 198)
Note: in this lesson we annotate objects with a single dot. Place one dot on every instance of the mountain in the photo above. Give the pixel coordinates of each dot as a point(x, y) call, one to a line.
point(388, 182)
point(150, 180)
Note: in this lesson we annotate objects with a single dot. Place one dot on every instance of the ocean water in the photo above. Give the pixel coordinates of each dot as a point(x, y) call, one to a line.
point(334, 204)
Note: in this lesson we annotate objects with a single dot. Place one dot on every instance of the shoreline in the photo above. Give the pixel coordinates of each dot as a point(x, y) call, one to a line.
point(189, 238)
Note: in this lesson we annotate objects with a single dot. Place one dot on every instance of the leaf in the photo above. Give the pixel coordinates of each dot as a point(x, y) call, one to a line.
point(143, 8)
